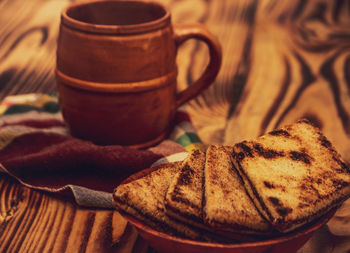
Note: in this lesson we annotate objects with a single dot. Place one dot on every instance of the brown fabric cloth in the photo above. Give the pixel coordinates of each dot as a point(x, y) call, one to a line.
point(36, 150)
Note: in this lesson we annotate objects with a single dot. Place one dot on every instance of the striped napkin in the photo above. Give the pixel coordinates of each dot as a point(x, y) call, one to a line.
point(37, 150)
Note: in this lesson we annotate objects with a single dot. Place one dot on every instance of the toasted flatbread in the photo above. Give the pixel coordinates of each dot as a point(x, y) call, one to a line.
point(143, 199)
point(227, 207)
point(293, 174)
point(184, 197)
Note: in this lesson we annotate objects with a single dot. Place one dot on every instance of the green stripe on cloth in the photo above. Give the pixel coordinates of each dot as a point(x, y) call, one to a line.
point(51, 107)
point(23, 103)
point(188, 139)
point(13, 109)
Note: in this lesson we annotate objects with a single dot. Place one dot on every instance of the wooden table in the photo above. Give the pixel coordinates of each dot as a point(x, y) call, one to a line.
point(283, 60)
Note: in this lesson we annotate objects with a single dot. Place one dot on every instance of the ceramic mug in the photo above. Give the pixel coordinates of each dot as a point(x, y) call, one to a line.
point(116, 70)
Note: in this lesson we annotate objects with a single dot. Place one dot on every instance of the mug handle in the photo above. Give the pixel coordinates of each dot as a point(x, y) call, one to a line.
point(197, 31)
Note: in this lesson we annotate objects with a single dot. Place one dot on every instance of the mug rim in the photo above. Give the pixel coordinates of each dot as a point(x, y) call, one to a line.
point(116, 29)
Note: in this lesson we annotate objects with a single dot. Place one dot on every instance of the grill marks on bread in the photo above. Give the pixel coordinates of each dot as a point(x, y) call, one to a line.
point(185, 179)
point(302, 160)
point(266, 152)
point(258, 149)
point(184, 197)
point(280, 132)
point(281, 210)
point(253, 148)
point(343, 168)
point(300, 156)
point(227, 206)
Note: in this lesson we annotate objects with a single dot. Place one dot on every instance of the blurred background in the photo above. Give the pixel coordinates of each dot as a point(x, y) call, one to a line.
point(282, 60)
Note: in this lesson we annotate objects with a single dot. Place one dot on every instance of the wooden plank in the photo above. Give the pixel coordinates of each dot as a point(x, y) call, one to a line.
point(33, 221)
point(28, 35)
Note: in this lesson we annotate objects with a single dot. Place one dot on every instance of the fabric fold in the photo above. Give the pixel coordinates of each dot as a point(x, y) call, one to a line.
point(37, 150)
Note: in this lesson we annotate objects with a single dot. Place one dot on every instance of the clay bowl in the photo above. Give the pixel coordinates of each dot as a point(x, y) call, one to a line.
point(287, 243)
point(163, 242)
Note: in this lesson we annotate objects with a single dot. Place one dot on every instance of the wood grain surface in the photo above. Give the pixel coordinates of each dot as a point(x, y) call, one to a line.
point(283, 60)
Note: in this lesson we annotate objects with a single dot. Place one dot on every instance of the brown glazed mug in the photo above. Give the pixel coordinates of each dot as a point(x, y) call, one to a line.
point(116, 70)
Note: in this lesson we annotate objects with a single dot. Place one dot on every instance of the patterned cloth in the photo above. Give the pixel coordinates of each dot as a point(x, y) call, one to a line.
point(37, 150)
